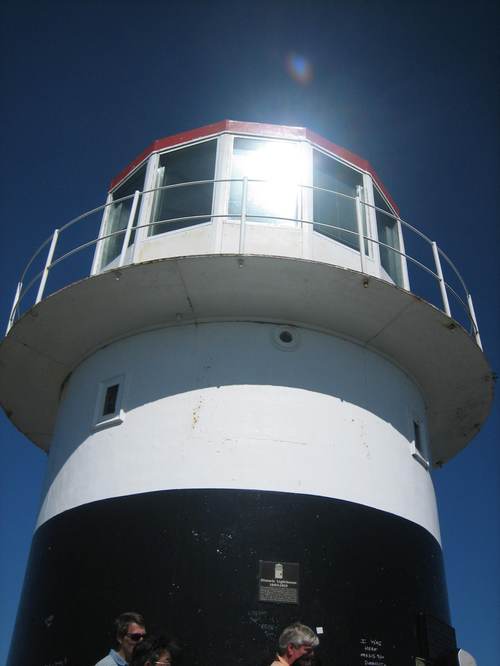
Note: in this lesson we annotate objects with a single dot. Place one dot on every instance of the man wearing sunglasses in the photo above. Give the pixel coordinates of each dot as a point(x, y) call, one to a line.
point(129, 630)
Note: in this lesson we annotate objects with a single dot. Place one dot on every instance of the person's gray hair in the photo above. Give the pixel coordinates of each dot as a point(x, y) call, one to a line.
point(297, 634)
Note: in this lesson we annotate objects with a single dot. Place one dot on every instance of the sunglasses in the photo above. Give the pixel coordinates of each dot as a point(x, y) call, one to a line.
point(135, 637)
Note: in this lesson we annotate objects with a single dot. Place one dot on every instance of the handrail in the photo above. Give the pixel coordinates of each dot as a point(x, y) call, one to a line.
point(244, 216)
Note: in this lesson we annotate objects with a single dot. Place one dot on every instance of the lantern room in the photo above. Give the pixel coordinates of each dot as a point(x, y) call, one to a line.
point(237, 187)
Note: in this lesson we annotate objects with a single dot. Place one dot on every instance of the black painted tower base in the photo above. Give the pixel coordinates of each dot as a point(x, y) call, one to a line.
point(189, 561)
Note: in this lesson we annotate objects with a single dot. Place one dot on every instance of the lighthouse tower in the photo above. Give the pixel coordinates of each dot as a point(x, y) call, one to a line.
point(241, 401)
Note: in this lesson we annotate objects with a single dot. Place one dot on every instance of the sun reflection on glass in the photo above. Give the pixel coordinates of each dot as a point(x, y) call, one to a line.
point(278, 165)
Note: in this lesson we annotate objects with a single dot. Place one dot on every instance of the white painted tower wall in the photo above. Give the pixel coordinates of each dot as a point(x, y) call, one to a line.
point(228, 405)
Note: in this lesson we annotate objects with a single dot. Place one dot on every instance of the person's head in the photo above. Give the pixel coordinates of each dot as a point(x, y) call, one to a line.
point(129, 630)
point(296, 641)
point(152, 651)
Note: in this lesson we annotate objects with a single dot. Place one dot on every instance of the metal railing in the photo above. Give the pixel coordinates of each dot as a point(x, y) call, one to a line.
point(244, 215)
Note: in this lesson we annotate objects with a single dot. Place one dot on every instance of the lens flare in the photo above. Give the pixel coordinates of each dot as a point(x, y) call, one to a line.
point(299, 68)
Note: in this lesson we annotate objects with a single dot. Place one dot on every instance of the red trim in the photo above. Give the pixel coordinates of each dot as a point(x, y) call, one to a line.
point(169, 142)
point(130, 167)
point(256, 129)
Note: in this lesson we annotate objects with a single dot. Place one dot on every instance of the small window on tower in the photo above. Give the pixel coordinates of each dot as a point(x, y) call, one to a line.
point(110, 400)
point(419, 448)
point(417, 436)
point(108, 411)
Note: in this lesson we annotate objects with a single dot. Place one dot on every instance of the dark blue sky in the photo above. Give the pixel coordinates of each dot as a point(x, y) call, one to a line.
point(412, 87)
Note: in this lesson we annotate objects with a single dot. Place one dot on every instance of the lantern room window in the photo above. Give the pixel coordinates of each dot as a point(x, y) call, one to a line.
point(173, 204)
point(118, 215)
point(334, 210)
point(275, 200)
point(388, 234)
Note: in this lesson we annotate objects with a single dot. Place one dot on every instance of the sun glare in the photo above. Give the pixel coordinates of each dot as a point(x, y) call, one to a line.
point(277, 164)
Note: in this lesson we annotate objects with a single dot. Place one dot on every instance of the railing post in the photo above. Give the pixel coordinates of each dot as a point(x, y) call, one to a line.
point(402, 258)
point(130, 223)
point(359, 221)
point(13, 311)
point(300, 215)
point(243, 219)
point(439, 273)
point(474, 321)
point(45, 274)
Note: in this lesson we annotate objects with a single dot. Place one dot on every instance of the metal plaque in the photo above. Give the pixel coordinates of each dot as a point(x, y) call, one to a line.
point(279, 582)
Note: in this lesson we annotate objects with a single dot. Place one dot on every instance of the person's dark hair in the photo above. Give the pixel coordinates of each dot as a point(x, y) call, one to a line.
point(122, 622)
point(150, 649)
point(308, 660)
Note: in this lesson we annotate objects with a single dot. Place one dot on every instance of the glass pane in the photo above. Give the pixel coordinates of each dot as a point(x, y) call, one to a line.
point(184, 166)
point(387, 229)
point(118, 215)
point(276, 162)
point(332, 209)
point(110, 400)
